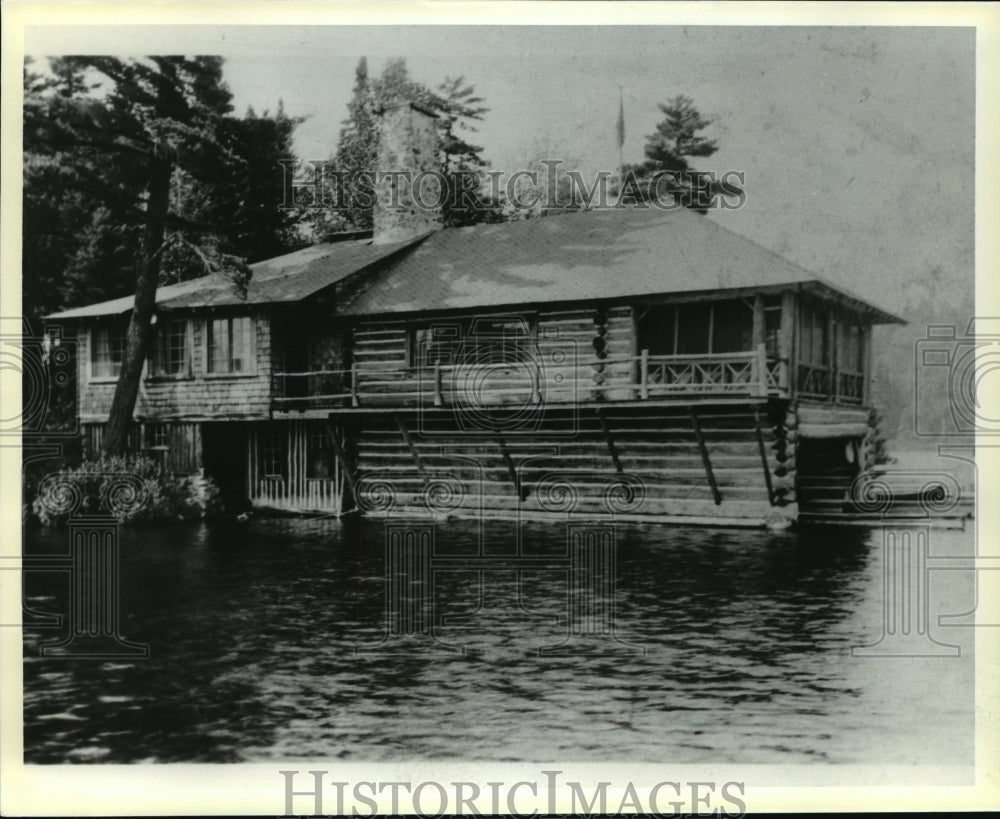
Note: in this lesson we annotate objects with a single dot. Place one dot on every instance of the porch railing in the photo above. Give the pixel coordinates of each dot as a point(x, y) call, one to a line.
point(745, 373)
point(820, 382)
point(531, 380)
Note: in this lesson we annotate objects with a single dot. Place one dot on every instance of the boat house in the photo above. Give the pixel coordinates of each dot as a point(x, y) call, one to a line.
point(639, 363)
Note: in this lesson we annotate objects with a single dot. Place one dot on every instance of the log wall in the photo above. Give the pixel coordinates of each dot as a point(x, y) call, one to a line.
point(576, 354)
point(628, 464)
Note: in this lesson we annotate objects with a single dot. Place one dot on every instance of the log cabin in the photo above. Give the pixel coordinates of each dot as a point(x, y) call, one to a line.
point(635, 363)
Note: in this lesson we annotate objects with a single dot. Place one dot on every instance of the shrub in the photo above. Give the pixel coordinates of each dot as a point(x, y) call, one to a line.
point(880, 453)
point(129, 487)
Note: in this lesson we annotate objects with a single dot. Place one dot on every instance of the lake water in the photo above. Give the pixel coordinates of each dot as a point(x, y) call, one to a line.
point(729, 645)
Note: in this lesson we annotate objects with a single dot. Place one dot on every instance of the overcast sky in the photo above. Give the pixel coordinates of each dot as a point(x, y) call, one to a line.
point(857, 143)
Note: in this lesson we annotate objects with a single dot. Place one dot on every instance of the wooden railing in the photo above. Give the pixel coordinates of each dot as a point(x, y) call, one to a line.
point(814, 381)
point(716, 374)
point(850, 387)
point(820, 382)
point(531, 382)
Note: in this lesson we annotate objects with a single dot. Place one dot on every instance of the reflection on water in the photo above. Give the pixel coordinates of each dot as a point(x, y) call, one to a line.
point(747, 642)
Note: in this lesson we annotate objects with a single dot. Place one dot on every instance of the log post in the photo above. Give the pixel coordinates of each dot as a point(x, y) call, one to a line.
point(760, 376)
point(354, 385)
point(758, 321)
point(866, 367)
point(438, 397)
point(832, 340)
point(786, 340)
point(644, 375)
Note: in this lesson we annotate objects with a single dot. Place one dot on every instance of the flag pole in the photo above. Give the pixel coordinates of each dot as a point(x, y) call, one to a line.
point(620, 135)
point(621, 131)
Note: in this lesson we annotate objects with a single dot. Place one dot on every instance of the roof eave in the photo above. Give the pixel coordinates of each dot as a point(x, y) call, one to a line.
point(877, 314)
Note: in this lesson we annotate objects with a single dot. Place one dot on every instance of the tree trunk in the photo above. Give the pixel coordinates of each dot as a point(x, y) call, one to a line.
point(116, 434)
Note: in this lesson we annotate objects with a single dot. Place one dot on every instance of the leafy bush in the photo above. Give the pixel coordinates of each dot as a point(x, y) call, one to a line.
point(880, 444)
point(130, 488)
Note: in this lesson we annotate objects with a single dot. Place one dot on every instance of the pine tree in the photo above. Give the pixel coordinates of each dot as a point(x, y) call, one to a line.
point(458, 108)
point(149, 118)
point(677, 139)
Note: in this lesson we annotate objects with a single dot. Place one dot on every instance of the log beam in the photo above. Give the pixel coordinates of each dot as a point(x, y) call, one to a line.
point(413, 450)
point(338, 450)
point(706, 462)
point(511, 469)
point(612, 449)
point(763, 456)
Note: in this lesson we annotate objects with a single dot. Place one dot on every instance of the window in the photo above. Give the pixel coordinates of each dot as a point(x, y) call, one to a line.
point(318, 456)
point(157, 435)
point(851, 348)
point(693, 328)
point(230, 345)
point(275, 454)
point(812, 338)
point(482, 339)
point(170, 348)
point(107, 350)
point(732, 326)
point(697, 328)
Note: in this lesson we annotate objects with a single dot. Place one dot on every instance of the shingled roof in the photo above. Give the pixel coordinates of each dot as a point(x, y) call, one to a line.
point(288, 278)
point(588, 256)
point(583, 256)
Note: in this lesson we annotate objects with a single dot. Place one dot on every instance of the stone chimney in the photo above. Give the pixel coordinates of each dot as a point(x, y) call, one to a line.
point(408, 141)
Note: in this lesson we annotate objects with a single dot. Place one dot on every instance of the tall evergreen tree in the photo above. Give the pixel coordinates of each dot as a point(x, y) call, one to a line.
point(152, 117)
point(458, 108)
point(666, 169)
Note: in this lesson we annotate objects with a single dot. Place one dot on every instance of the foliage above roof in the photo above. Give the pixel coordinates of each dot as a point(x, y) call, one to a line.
point(591, 255)
point(588, 256)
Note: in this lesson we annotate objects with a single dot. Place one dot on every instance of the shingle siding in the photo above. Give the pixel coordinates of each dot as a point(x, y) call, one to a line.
point(200, 396)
